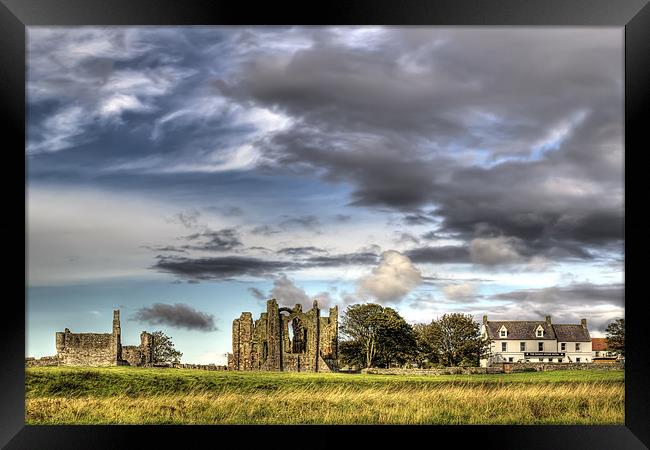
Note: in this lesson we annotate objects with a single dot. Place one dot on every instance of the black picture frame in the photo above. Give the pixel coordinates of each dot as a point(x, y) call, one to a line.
point(16, 15)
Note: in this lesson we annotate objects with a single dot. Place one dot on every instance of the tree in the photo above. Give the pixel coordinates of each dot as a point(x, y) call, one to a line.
point(452, 340)
point(375, 335)
point(351, 353)
point(163, 348)
point(615, 336)
point(397, 343)
point(425, 354)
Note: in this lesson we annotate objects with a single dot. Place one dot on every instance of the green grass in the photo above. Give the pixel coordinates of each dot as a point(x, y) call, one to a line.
point(57, 395)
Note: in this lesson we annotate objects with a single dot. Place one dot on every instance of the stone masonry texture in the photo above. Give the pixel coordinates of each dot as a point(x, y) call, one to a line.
point(285, 339)
point(98, 349)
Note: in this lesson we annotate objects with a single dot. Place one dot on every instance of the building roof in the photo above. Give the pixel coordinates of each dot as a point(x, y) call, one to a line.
point(598, 344)
point(520, 329)
point(571, 333)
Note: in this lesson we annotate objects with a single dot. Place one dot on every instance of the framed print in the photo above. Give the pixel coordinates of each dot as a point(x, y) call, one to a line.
point(325, 226)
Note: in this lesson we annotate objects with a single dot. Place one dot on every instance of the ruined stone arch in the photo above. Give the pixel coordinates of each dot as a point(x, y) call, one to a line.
point(268, 344)
point(294, 326)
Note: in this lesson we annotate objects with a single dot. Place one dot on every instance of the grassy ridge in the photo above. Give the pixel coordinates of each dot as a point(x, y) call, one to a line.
point(165, 396)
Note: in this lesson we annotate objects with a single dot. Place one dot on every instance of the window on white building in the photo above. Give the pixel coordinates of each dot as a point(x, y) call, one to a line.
point(541, 359)
point(563, 346)
point(540, 346)
point(511, 359)
point(577, 359)
point(522, 346)
point(504, 346)
point(577, 346)
point(504, 332)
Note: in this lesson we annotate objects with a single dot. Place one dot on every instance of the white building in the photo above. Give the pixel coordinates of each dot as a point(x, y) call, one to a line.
point(535, 341)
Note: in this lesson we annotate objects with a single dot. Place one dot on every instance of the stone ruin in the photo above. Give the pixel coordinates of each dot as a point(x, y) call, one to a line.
point(98, 349)
point(285, 339)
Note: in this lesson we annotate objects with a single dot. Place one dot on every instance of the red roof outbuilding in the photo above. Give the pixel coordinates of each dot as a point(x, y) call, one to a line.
point(598, 344)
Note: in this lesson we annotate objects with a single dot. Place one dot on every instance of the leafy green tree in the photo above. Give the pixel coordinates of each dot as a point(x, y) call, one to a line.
point(615, 336)
point(452, 340)
point(397, 342)
point(374, 335)
point(351, 354)
point(425, 353)
point(163, 348)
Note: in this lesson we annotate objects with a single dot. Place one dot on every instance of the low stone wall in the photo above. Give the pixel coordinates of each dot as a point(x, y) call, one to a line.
point(200, 366)
point(501, 368)
point(45, 361)
point(441, 371)
point(545, 367)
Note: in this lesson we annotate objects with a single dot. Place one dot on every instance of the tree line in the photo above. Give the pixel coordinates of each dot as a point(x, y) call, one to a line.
point(376, 336)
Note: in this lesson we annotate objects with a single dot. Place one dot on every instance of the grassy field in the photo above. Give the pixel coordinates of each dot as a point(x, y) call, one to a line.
point(124, 395)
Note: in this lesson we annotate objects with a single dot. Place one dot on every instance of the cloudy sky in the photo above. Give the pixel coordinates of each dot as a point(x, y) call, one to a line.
point(186, 174)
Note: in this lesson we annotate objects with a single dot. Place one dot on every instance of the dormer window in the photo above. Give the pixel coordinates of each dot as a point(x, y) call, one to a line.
point(540, 331)
point(503, 332)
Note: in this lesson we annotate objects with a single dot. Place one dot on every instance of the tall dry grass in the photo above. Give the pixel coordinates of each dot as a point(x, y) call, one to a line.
point(380, 403)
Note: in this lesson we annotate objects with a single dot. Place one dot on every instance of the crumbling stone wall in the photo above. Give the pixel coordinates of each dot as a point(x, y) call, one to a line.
point(45, 361)
point(285, 339)
point(199, 366)
point(86, 349)
point(102, 349)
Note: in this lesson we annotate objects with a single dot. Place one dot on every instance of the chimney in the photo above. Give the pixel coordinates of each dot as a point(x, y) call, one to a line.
point(548, 320)
point(583, 322)
point(484, 320)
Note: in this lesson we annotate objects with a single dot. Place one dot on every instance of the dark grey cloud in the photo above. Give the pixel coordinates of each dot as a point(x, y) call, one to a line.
point(300, 251)
point(344, 259)
point(226, 267)
point(178, 315)
point(581, 293)
point(599, 304)
point(458, 127)
point(165, 248)
point(258, 294)
point(418, 219)
point(440, 255)
point(214, 240)
point(231, 267)
point(445, 118)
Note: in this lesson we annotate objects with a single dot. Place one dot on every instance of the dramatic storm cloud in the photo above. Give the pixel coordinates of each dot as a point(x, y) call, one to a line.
point(436, 169)
point(178, 315)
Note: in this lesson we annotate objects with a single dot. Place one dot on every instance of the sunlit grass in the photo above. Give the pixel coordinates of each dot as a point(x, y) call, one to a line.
point(175, 396)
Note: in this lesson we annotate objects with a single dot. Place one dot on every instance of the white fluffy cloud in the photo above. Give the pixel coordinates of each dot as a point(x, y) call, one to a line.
point(392, 279)
point(459, 291)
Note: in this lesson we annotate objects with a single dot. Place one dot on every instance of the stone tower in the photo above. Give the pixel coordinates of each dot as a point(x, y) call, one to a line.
point(117, 337)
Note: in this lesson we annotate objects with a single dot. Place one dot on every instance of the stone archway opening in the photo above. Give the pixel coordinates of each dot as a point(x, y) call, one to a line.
point(298, 336)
